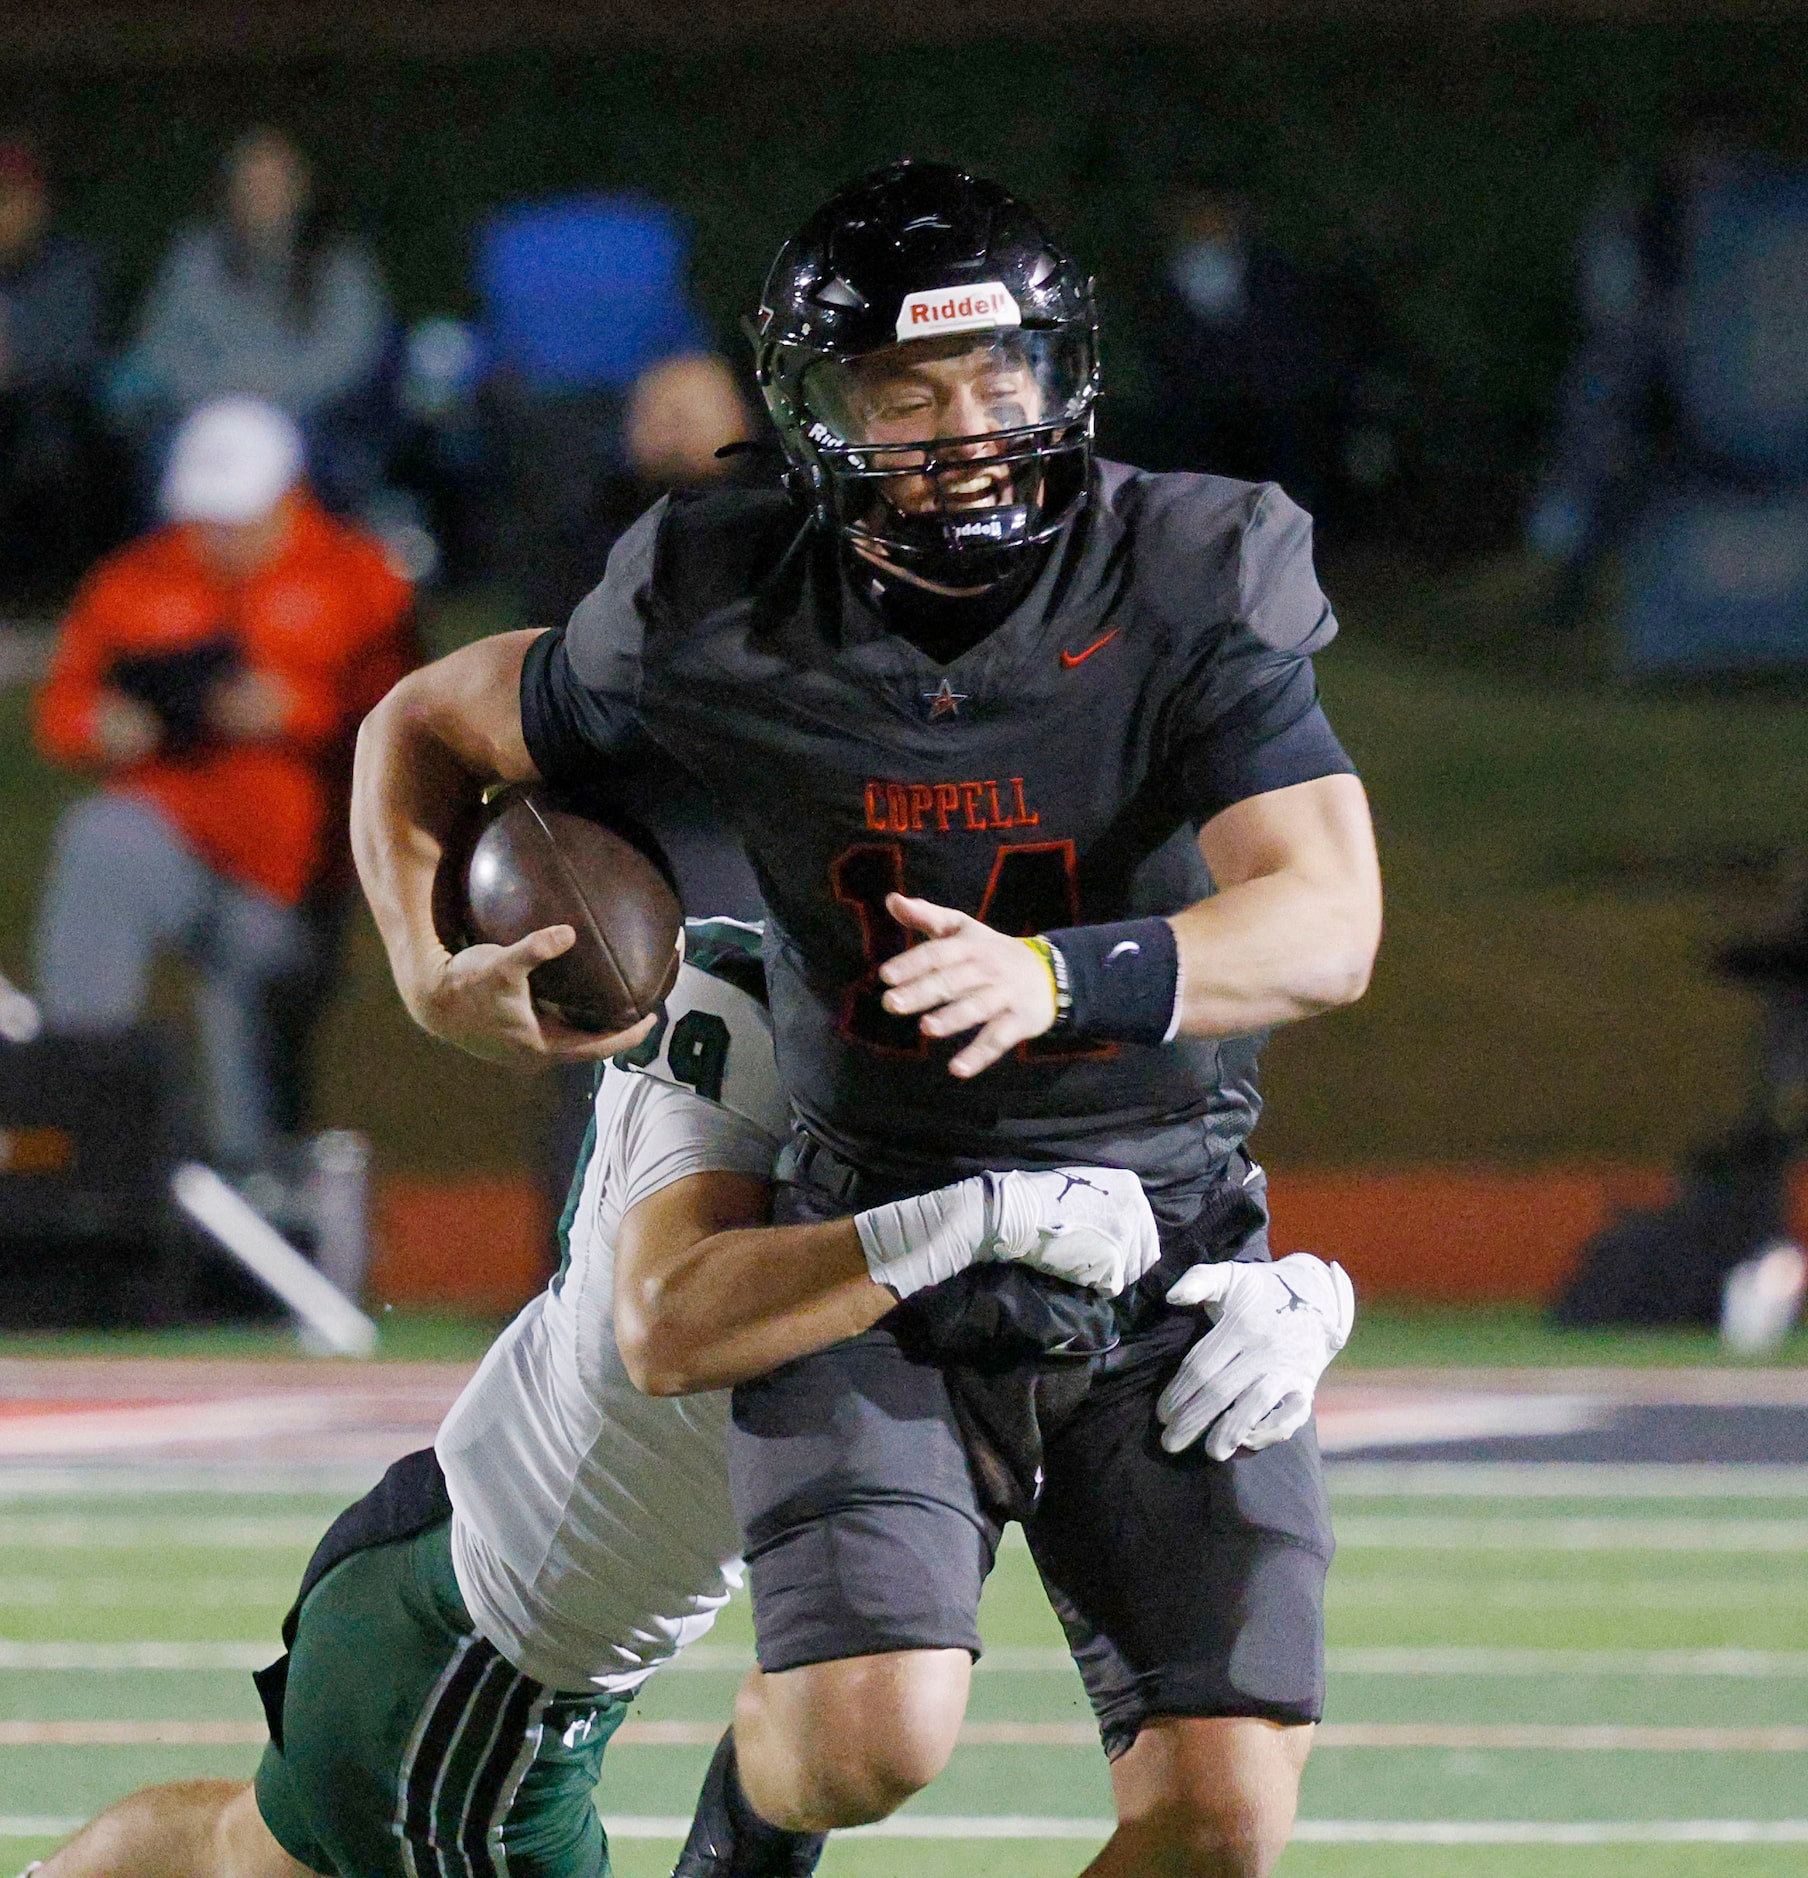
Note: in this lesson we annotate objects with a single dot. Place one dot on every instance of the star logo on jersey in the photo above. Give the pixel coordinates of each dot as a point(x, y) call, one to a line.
point(945, 702)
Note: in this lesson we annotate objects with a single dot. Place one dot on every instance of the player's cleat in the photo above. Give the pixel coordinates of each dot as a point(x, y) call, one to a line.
point(728, 1838)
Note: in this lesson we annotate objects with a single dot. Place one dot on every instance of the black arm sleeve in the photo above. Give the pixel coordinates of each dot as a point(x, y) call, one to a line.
point(580, 686)
point(565, 725)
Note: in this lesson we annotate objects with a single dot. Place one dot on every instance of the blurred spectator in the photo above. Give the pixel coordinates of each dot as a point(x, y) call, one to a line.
point(600, 397)
point(1683, 441)
point(49, 345)
point(678, 414)
point(212, 675)
point(269, 299)
point(1242, 380)
point(1619, 418)
point(601, 388)
point(1381, 400)
point(677, 418)
point(1683, 452)
point(439, 464)
point(1723, 1250)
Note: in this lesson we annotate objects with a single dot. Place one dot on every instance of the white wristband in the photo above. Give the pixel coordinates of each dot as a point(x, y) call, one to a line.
point(1086, 1225)
point(931, 1236)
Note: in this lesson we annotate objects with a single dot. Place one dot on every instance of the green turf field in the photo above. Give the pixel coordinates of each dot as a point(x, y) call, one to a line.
point(1479, 1625)
point(1388, 1336)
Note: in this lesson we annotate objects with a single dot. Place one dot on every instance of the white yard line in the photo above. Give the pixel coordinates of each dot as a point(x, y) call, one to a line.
point(53, 1432)
point(125, 1532)
point(1468, 1660)
point(1566, 1594)
point(1538, 1737)
point(41, 1593)
point(1704, 1387)
point(1561, 1737)
point(112, 1657)
point(1535, 1737)
point(1412, 1533)
point(303, 1480)
point(730, 1659)
point(1553, 1832)
point(1390, 1418)
point(1564, 1480)
point(1029, 1660)
point(131, 1734)
point(1306, 1831)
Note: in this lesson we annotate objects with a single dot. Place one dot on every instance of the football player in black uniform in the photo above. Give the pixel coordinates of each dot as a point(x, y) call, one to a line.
point(1027, 753)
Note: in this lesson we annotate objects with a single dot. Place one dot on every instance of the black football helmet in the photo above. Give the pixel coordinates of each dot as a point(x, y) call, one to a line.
point(930, 359)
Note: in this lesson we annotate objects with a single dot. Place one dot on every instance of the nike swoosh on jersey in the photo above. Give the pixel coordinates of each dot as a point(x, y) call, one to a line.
point(1070, 659)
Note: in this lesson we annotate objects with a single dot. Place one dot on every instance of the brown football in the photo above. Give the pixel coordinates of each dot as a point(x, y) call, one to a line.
point(536, 864)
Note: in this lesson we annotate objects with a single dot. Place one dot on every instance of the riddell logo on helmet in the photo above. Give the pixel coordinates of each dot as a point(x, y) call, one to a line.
point(957, 310)
point(991, 528)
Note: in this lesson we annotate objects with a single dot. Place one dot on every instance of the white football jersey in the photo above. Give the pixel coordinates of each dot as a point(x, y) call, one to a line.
point(592, 1532)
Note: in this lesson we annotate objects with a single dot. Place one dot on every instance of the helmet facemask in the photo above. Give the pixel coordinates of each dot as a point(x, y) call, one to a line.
point(946, 459)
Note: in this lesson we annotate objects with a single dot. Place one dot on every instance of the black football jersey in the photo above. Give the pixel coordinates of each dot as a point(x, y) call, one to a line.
point(1055, 773)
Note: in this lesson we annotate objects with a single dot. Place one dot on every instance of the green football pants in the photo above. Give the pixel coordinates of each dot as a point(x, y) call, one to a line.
point(412, 1749)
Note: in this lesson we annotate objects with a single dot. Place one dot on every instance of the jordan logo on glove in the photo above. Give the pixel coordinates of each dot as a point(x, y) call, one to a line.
point(1296, 1302)
point(1070, 1181)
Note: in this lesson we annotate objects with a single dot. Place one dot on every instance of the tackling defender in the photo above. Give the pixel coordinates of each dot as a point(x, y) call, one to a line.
point(1026, 750)
point(469, 1635)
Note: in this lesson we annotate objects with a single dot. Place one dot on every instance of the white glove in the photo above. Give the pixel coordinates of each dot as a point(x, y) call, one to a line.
point(1089, 1225)
point(1250, 1378)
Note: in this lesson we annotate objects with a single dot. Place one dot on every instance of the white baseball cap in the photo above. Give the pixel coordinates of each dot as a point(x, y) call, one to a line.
point(232, 461)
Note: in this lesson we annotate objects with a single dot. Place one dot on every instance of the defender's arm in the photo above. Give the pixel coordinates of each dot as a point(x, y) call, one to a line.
point(425, 755)
point(705, 1297)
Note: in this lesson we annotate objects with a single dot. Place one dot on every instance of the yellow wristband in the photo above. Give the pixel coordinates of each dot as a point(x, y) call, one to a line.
point(1045, 953)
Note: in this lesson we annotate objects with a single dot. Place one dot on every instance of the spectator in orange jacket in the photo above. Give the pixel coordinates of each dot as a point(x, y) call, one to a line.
point(213, 675)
